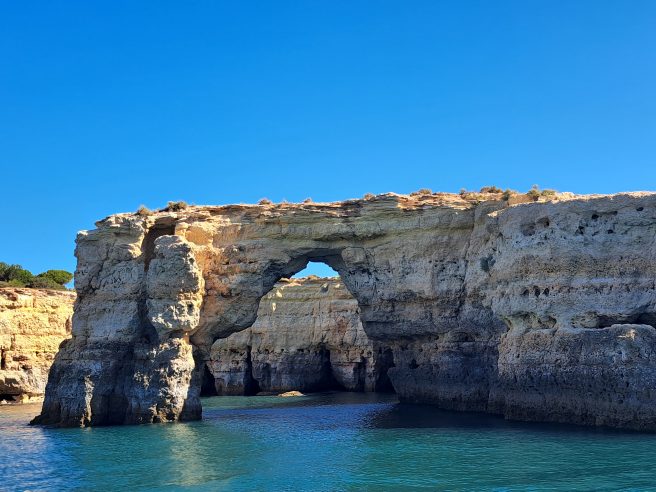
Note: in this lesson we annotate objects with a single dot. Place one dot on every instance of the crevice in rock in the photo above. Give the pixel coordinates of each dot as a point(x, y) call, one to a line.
point(148, 244)
point(384, 363)
point(251, 385)
point(646, 319)
point(593, 320)
point(327, 381)
point(360, 375)
point(643, 318)
point(487, 263)
point(3, 360)
point(148, 251)
point(207, 385)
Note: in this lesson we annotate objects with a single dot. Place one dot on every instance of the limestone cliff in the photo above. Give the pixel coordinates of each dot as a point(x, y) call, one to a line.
point(33, 323)
point(542, 310)
point(308, 337)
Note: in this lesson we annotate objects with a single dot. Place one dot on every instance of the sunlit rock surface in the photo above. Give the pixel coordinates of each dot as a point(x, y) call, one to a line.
point(33, 323)
point(308, 337)
point(537, 310)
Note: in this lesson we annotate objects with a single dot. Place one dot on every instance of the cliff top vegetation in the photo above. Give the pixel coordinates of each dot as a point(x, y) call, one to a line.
point(17, 276)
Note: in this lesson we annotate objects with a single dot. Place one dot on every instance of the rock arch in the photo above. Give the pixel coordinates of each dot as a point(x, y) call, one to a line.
point(221, 318)
point(308, 336)
point(479, 301)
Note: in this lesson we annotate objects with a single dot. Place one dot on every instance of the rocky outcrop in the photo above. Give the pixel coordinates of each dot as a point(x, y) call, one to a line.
point(308, 337)
point(542, 310)
point(33, 323)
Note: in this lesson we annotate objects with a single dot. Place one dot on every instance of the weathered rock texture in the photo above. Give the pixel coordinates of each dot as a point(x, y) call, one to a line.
point(308, 337)
point(33, 323)
point(537, 311)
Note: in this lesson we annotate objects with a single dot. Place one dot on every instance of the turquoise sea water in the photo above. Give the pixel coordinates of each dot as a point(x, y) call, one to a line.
point(337, 441)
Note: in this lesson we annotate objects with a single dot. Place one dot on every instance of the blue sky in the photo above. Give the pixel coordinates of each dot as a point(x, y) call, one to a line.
point(109, 105)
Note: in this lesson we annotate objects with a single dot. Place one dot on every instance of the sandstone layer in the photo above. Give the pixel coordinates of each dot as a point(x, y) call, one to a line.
point(33, 323)
point(308, 337)
point(540, 311)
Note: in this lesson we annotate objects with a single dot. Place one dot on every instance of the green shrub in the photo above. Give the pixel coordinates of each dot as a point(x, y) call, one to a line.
point(12, 283)
point(40, 282)
point(17, 276)
point(60, 277)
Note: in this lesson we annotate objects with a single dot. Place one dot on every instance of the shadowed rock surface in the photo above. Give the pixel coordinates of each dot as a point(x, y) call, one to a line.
point(308, 337)
point(540, 311)
point(33, 323)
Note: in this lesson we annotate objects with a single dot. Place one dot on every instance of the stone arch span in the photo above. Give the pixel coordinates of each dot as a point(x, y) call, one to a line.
point(478, 299)
point(242, 313)
point(213, 327)
point(307, 336)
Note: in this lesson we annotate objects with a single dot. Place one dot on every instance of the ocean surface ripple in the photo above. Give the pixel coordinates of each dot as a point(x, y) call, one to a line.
point(323, 442)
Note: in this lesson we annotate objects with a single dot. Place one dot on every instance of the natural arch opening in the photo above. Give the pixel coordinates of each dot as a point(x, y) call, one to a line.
point(307, 336)
point(317, 269)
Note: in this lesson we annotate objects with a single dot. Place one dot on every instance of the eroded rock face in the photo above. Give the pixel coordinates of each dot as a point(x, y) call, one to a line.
point(308, 337)
point(537, 311)
point(33, 323)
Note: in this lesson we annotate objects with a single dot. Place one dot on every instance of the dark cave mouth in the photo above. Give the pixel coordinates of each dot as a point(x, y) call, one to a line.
point(326, 380)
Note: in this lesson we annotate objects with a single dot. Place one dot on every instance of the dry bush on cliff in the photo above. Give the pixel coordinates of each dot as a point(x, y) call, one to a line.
point(144, 211)
point(422, 192)
point(491, 189)
point(265, 201)
point(175, 206)
point(508, 193)
point(535, 193)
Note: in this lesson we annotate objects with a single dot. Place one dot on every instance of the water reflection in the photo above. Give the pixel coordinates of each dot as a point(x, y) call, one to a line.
point(409, 416)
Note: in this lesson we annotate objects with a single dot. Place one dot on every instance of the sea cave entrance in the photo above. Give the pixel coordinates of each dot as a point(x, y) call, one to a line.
point(307, 337)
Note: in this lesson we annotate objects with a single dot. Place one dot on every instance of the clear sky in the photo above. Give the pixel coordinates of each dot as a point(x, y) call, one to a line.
point(109, 105)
